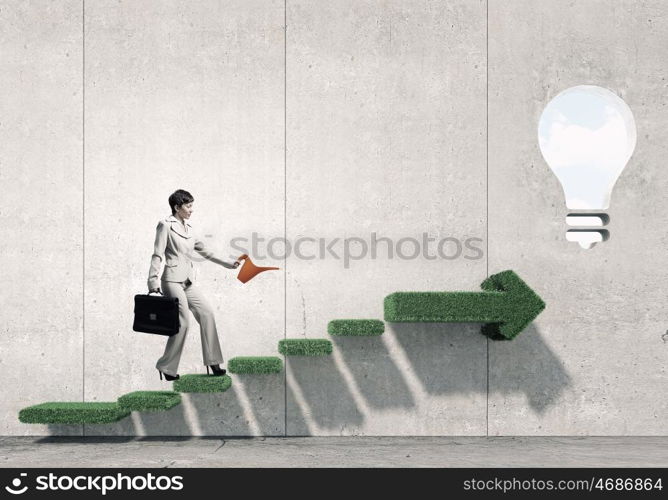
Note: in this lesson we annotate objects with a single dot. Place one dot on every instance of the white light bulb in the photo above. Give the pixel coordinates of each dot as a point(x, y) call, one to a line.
point(587, 135)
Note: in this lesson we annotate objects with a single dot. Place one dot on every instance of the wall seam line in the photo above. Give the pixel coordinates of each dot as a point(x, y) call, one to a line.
point(83, 201)
point(487, 190)
point(285, 210)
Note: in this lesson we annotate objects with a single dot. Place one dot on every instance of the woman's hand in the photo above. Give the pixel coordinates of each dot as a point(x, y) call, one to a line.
point(155, 290)
point(239, 259)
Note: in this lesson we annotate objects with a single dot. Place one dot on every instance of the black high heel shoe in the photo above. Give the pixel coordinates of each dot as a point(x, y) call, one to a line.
point(217, 370)
point(168, 376)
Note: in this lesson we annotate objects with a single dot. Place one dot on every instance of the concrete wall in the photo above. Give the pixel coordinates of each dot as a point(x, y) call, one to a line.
point(390, 117)
point(594, 362)
point(41, 347)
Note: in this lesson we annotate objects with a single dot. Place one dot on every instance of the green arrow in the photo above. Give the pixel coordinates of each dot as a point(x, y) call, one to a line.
point(507, 306)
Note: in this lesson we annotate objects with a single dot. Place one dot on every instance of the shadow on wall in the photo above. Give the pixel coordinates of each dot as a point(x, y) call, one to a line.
point(447, 359)
point(527, 365)
point(253, 406)
point(329, 402)
point(321, 394)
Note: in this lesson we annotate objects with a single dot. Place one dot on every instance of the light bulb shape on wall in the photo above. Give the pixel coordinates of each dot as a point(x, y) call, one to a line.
point(587, 135)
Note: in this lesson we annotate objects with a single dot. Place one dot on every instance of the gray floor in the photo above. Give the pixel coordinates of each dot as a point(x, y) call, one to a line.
point(355, 451)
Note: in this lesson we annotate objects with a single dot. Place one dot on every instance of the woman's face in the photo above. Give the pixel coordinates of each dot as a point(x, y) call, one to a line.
point(185, 210)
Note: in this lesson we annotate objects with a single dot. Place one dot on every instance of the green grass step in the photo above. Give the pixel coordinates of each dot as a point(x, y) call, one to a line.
point(255, 364)
point(73, 412)
point(429, 307)
point(305, 347)
point(355, 327)
point(201, 382)
point(149, 400)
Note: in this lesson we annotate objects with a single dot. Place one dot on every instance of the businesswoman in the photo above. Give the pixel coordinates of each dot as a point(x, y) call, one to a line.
point(175, 241)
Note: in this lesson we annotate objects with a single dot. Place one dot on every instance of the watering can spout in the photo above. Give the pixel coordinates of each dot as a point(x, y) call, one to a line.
point(249, 270)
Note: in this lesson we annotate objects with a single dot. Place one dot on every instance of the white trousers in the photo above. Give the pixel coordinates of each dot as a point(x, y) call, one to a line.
point(190, 297)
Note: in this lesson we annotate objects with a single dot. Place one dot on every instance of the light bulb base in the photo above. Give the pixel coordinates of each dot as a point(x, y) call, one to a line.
point(587, 233)
point(587, 219)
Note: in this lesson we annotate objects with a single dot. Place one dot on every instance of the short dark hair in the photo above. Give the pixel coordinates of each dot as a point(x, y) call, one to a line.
point(179, 197)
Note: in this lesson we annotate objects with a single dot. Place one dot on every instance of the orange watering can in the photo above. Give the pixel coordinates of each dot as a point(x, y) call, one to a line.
point(249, 270)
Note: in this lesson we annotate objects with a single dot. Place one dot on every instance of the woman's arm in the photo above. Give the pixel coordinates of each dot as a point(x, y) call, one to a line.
point(158, 255)
point(208, 254)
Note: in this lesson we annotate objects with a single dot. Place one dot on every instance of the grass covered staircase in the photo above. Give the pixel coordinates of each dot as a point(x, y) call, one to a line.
point(506, 306)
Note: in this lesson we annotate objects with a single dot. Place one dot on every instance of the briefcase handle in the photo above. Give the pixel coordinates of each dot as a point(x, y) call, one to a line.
point(149, 293)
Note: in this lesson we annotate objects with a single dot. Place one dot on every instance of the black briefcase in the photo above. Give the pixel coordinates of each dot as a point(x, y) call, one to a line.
point(156, 314)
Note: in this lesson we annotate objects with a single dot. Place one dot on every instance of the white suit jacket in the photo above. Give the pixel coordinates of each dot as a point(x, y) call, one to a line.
point(174, 247)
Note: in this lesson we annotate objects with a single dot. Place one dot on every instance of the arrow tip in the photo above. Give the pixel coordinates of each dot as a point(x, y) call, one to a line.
point(522, 306)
